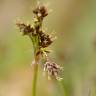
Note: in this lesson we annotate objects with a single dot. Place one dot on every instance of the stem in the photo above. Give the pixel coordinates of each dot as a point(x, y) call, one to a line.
point(35, 74)
point(34, 82)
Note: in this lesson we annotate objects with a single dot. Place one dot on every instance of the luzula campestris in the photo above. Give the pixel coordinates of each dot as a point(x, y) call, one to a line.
point(40, 40)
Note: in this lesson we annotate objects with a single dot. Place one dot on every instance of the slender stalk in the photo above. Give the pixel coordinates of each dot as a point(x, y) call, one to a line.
point(35, 75)
point(34, 82)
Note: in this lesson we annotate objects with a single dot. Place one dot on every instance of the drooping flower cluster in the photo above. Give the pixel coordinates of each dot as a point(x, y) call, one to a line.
point(52, 69)
point(40, 39)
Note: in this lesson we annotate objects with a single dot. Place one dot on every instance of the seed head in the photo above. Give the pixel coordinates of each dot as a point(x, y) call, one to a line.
point(26, 29)
point(40, 11)
point(45, 39)
point(52, 69)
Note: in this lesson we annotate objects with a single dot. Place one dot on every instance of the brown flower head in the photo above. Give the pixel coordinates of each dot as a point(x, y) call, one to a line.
point(52, 69)
point(45, 39)
point(40, 11)
point(25, 28)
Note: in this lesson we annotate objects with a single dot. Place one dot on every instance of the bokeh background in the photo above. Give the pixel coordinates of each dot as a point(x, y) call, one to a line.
point(74, 22)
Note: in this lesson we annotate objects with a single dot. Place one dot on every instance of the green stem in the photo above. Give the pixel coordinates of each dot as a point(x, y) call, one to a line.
point(35, 72)
point(34, 82)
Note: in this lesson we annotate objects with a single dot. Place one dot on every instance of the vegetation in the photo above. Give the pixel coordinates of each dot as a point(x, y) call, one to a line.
point(40, 41)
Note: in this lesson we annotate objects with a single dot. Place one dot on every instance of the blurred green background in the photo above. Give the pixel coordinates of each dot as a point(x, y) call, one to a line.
point(74, 22)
